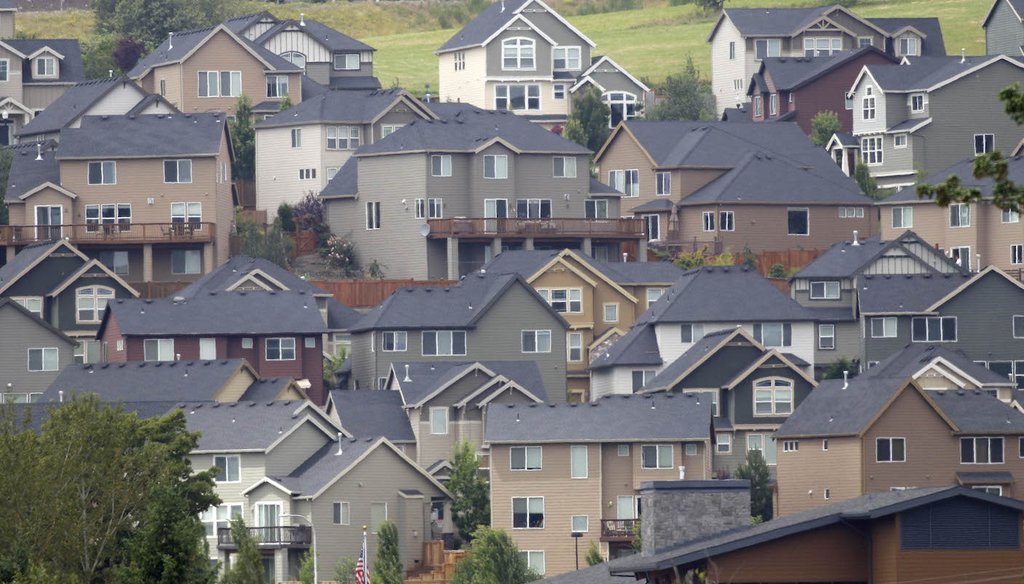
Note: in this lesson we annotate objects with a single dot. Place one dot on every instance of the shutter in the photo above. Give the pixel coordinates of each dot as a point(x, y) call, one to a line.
point(757, 332)
point(787, 335)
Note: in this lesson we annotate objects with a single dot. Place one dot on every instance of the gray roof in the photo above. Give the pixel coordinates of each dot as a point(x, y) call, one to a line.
point(332, 39)
point(27, 173)
point(337, 106)
point(468, 131)
point(614, 418)
point(914, 356)
point(847, 140)
point(71, 104)
point(933, 44)
point(244, 425)
point(149, 135)
point(488, 22)
point(425, 377)
point(905, 293)
point(325, 465)
point(964, 170)
point(844, 259)
point(789, 73)
point(870, 506)
point(593, 575)
point(354, 82)
point(978, 412)
point(219, 313)
point(236, 268)
point(772, 21)
point(372, 412)
point(637, 347)
point(448, 109)
point(710, 343)
point(190, 381)
point(924, 72)
point(983, 478)
point(310, 88)
point(266, 389)
point(345, 182)
point(830, 410)
point(526, 263)
point(13, 269)
point(71, 68)
point(655, 205)
point(599, 188)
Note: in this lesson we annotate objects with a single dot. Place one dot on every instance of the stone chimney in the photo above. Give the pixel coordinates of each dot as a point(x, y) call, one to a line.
point(674, 512)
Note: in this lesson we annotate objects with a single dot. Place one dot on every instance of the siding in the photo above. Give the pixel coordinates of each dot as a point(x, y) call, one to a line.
point(987, 334)
point(22, 332)
point(1004, 33)
point(463, 85)
point(251, 469)
point(289, 454)
point(830, 554)
point(804, 475)
point(725, 71)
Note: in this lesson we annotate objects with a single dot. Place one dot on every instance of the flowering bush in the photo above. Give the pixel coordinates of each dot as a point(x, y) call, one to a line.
point(340, 253)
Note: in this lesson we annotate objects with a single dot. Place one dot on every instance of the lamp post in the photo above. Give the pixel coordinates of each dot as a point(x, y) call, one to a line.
point(312, 528)
point(576, 535)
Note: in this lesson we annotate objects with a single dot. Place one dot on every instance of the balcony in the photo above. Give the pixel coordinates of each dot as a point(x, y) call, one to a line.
point(278, 536)
point(552, 228)
point(109, 233)
point(619, 530)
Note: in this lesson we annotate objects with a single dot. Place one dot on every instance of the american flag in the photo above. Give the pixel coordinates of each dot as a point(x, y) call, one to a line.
point(362, 574)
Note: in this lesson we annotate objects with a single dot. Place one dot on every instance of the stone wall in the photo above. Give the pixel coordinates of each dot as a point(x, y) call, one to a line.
point(673, 512)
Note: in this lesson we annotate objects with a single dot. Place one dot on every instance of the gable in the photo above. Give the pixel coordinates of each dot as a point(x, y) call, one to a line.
point(720, 368)
point(992, 289)
point(46, 275)
point(382, 473)
point(558, 30)
point(234, 388)
point(26, 330)
point(460, 389)
point(960, 523)
point(520, 307)
point(909, 414)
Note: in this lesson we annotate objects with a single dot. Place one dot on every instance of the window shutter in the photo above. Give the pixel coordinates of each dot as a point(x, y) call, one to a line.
point(787, 335)
point(757, 332)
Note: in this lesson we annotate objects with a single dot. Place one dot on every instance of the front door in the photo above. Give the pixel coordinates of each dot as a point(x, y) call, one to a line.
point(48, 221)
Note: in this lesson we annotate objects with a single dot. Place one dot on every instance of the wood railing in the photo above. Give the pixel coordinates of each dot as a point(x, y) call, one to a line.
point(552, 228)
point(114, 233)
point(299, 536)
point(619, 529)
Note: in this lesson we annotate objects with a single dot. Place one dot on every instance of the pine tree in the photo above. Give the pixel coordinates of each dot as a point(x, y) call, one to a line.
point(247, 565)
point(755, 470)
point(243, 139)
point(387, 566)
point(471, 505)
point(588, 123)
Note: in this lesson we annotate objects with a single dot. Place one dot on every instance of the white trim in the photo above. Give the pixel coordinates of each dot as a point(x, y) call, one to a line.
point(617, 67)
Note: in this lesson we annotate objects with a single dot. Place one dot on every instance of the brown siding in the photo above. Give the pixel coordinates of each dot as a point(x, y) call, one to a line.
point(829, 93)
point(830, 554)
point(812, 470)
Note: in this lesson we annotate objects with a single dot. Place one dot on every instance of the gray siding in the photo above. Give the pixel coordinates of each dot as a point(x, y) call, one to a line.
point(290, 453)
point(22, 332)
point(542, 55)
point(1004, 33)
point(985, 319)
point(848, 345)
point(880, 349)
point(741, 398)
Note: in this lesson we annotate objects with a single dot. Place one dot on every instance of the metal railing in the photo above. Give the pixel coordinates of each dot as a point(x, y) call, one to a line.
point(551, 228)
point(619, 529)
point(275, 535)
point(115, 233)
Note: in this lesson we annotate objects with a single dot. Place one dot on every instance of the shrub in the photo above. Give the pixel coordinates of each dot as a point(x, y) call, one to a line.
point(340, 253)
point(777, 271)
point(286, 217)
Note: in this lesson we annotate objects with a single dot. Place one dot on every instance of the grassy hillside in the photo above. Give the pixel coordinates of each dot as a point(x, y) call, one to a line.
point(652, 41)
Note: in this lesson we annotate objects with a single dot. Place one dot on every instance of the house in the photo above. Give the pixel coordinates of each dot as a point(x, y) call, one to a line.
point(908, 118)
point(439, 198)
point(977, 233)
point(729, 185)
point(150, 194)
point(372, 412)
point(32, 353)
point(482, 318)
point(562, 469)
point(929, 534)
point(522, 56)
point(599, 300)
point(1004, 31)
point(67, 289)
point(703, 301)
point(300, 149)
point(742, 37)
point(795, 89)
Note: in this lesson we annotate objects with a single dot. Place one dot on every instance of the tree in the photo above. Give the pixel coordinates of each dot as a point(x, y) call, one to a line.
point(5, 174)
point(243, 140)
point(755, 470)
point(836, 369)
point(823, 125)
point(306, 567)
point(471, 506)
point(247, 566)
point(270, 243)
point(594, 556)
point(493, 559)
point(387, 566)
point(710, 5)
point(867, 183)
point(703, 257)
point(687, 96)
point(127, 53)
point(98, 55)
point(345, 571)
point(150, 21)
point(286, 103)
point(588, 123)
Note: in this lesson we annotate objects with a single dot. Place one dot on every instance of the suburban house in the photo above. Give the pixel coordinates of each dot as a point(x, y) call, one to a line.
point(599, 300)
point(795, 89)
point(149, 194)
point(978, 234)
point(703, 301)
point(917, 535)
point(300, 149)
point(67, 289)
point(752, 391)
point(743, 37)
point(522, 56)
point(439, 198)
point(559, 470)
point(1004, 29)
point(908, 118)
point(731, 185)
point(483, 318)
point(373, 412)
point(32, 353)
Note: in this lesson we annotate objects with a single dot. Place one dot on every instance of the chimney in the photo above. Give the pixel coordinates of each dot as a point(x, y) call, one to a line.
point(856, 237)
point(673, 512)
point(846, 379)
point(426, 92)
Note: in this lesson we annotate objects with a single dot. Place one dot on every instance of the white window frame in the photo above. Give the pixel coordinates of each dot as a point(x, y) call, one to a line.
point(92, 299)
point(529, 500)
point(296, 136)
point(373, 215)
point(772, 48)
point(33, 304)
point(49, 359)
point(558, 91)
point(277, 86)
point(438, 334)
point(891, 440)
point(570, 55)
point(959, 215)
point(49, 68)
point(495, 165)
point(614, 306)
point(440, 165)
point(438, 415)
point(660, 450)
point(827, 332)
point(164, 350)
point(341, 513)
point(506, 94)
point(988, 143)
point(905, 215)
point(574, 347)
point(899, 141)
point(345, 61)
point(580, 529)
point(177, 164)
point(828, 290)
point(908, 46)
point(1010, 216)
point(884, 322)
point(778, 406)
point(399, 341)
point(807, 213)
point(106, 167)
point(867, 105)
point(1017, 254)
point(973, 440)
point(790, 445)
point(282, 344)
point(530, 453)
point(708, 221)
point(928, 329)
point(227, 470)
point(662, 183)
point(518, 54)
point(917, 102)
point(723, 439)
point(343, 137)
point(538, 337)
point(871, 150)
point(726, 221)
point(192, 261)
point(206, 344)
point(574, 452)
point(567, 168)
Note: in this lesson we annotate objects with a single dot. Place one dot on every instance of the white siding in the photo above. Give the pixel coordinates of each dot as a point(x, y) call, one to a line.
point(295, 40)
point(724, 71)
point(278, 164)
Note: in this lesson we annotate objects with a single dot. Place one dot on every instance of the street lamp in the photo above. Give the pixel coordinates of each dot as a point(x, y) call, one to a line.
point(576, 535)
point(312, 528)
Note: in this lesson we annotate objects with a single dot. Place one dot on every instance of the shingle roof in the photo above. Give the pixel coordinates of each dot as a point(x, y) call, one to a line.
point(71, 68)
point(843, 259)
point(637, 347)
point(244, 426)
point(71, 104)
point(190, 381)
point(337, 106)
point(489, 21)
point(977, 412)
point(965, 171)
point(599, 188)
point(27, 173)
point(310, 88)
point(325, 465)
point(172, 51)
point(614, 418)
point(7, 303)
point(425, 377)
point(363, 82)
point(332, 39)
point(597, 574)
point(772, 21)
point(905, 293)
point(922, 73)
point(710, 343)
point(933, 44)
point(523, 262)
point(655, 205)
point(448, 109)
point(830, 410)
point(788, 73)
point(345, 182)
point(150, 135)
point(363, 413)
point(22, 260)
point(236, 268)
point(266, 389)
point(915, 356)
point(633, 273)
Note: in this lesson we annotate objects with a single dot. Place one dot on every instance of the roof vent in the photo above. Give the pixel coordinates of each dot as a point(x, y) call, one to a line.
point(963, 55)
point(856, 237)
point(846, 379)
point(407, 379)
point(178, 299)
point(340, 451)
point(302, 19)
point(170, 41)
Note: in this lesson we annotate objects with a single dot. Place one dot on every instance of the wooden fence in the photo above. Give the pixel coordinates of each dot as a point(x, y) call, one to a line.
point(370, 293)
point(246, 190)
point(790, 259)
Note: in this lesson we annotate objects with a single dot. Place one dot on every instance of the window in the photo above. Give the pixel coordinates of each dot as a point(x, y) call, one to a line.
point(865, 42)
point(378, 515)
point(774, 334)
point(1010, 216)
point(726, 221)
point(767, 48)
point(732, 50)
point(331, 172)
point(574, 347)
point(723, 442)
point(883, 327)
point(432, 208)
point(558, 91)
point(277, 86)
point(827, 494)
point(220, 83)
point(824, 444)
point(5, 65)
point(296, 137)
point(758, 106)
point(46, 67)
point(346, 61)
point(443, 343)
point(773, 104)
point(534, 561)
point(871, 150)
point(596, 208)
point(526, 458)
point(579, 462)
point(309, 342)
point(217, 518)
point(826, 337)
point(116, 261)
point(773, 397)
point(388, 129)
point(91, 302)
point(961, 255)
point(899, 141)
point(851, 212)
point(902, 217)
point(438, 420)
point(566, 58)
point(691, 333)
point(565, 166)
point(822, 46)
point(295, 58)
point(45, 359)
point(653, 224)
point(187, 213)
point(626, 182)
point(87, 351)
point(564, 299)
point(765, 444)
point(653, 294)
point(990, 489)
point(826, 290)
point(798, 222)
point(527, 512)
point(33, 304)
point(186, 261)
point(247, 342)
point(207, 349)
point(533, 208)
point(656, 456)
point(394, 341)
point(890, 450)
point(103, 172)
point(868, 104)
point(441, 165)
point(623, 450)
point(343, 137)
point(178, 171)
point(459, 61)
point(663, 184)
point(342, 513)
point(280, 349)
point(708, 220)
point(641, 377)
point(1017, 254)
point(909, 46)
point(580, 523)
point(622, 105)
point(536, 341)
point(611, 312)
point(981, 450)
point(496, 166)
point(158, 350)
point(373, 215)
point(959, 215)
point(517, 97)
point(228, 468)
point(517, 54)
point(984, 143)
point(790, 445)
point(934, 329)
point(917, 102)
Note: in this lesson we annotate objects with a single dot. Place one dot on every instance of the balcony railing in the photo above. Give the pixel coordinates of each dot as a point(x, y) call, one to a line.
point(290, 536)
point(619, 530)
point(552, 228)
point(113, 233)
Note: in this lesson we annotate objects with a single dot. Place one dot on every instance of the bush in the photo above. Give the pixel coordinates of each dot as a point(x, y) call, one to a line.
point(777, 271)
point(340, 253)
point(271, 243)
point(286, 217)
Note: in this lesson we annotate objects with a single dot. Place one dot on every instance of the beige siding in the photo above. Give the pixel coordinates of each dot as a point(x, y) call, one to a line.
point(299, 445)
point(39, 97)
point(804, 475)
point(251, 470)
point(463, 85)
point(278, 165)
point(235, 387)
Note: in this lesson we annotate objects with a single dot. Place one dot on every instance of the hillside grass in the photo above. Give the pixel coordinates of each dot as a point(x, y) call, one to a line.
point(652, 41)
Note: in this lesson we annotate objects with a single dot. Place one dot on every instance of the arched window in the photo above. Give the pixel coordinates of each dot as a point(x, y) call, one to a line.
point(518, 53)
point(90, 302)
point(623, 106)
point(295, 58)
point(773, 396)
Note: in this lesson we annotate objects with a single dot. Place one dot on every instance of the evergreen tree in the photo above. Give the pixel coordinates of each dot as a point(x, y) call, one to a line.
point(823, 125)
point(493, 559)
point(594, 556)
point(387, 566)
point(867, 183)
point(755, 470)
point(247, 565)
point(243, 139)
point(471, 505)
point(685, 96)
point(588, 123)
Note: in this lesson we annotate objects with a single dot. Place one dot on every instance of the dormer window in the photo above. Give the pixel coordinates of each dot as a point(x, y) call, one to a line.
point(46, 67)
point(909, 46)
point(518, 54)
